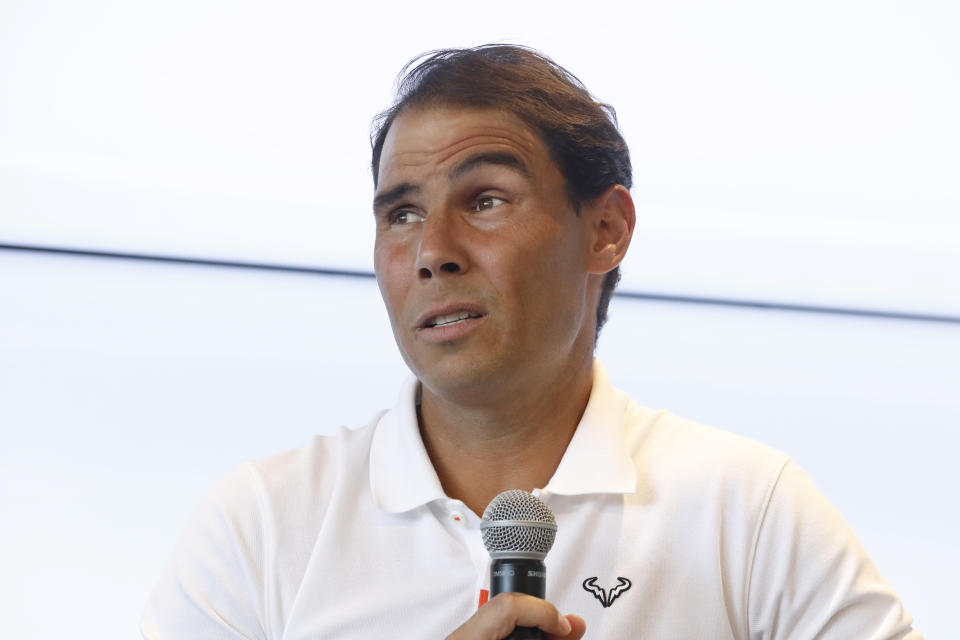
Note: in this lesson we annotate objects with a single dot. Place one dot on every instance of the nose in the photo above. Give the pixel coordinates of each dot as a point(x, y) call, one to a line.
point(442, 249)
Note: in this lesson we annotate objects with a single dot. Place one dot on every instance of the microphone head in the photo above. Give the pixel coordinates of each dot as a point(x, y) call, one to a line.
point(517, 524)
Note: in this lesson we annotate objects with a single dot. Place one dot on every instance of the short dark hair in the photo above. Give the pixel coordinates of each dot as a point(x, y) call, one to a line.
point(580, 133)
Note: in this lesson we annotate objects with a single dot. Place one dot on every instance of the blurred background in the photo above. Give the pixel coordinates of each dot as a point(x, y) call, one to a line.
point(186, 257)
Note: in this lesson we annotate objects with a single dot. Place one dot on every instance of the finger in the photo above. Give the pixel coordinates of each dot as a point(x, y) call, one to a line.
point(577, 628)
point(521, 610)
point(498, 618)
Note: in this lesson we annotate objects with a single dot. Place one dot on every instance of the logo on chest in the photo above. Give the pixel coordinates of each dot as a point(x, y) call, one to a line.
point(605, 597)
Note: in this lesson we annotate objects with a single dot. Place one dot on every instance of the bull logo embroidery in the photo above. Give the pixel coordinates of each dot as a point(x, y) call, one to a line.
point(605, 597)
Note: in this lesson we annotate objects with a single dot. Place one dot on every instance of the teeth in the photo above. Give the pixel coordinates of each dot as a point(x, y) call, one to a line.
point(451, 318)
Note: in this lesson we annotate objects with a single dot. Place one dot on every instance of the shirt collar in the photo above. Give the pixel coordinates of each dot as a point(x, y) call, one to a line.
point(596, 460)
point(401, 474)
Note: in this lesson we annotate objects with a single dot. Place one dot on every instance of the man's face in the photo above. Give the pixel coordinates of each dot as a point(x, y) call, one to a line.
point(479, 255)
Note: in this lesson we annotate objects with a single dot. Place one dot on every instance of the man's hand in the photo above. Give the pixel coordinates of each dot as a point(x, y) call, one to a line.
point(497, 619)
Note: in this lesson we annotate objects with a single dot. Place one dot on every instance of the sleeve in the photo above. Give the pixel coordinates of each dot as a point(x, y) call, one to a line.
point(214, 585)
point(811, 577)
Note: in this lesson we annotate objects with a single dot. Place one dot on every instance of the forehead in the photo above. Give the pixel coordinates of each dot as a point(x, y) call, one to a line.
point(434, 137)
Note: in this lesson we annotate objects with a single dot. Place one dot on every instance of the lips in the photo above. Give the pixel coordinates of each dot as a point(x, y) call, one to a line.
point(449, 314)
point(450, 318)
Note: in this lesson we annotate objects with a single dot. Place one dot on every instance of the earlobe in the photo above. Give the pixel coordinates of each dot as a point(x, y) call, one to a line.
point(612, 220)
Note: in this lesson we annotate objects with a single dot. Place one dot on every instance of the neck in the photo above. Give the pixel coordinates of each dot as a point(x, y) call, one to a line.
point(515, 441)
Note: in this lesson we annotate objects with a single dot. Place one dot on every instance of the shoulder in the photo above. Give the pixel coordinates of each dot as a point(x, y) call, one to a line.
point(261, 501)
point(253, 530)
point(682, 455)
point(803, 569)
point(811, 576)
point(301, 479)
point(315, 458)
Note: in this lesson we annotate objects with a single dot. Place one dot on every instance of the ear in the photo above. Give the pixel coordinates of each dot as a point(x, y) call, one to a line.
point(611, 218)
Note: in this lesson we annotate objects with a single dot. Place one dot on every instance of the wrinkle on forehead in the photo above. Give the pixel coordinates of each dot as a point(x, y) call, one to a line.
point(433, 136)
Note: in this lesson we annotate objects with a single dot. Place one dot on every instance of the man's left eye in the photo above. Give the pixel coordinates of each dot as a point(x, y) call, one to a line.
point(487, 202)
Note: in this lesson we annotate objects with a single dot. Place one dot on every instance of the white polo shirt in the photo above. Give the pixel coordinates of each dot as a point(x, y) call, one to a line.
point(666, 529)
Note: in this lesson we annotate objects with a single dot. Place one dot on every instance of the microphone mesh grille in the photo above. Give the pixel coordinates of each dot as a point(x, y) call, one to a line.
point(515, 536)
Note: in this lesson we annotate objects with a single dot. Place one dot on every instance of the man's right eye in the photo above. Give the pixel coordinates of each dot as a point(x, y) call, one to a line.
point(404, 216)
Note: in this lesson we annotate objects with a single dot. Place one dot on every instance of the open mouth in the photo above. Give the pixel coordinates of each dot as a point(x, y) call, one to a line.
point(449, 319)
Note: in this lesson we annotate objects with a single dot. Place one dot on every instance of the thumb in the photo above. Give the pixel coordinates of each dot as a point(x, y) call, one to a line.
point(577, 628)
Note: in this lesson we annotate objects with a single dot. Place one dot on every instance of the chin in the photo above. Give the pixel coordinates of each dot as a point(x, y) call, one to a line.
point(460, 380)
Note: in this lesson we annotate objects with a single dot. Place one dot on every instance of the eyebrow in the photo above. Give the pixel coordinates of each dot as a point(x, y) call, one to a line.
point(500, 158)
point(387, 198)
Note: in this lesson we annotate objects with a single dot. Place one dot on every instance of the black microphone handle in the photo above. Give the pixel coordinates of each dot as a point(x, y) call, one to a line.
point(519, 575)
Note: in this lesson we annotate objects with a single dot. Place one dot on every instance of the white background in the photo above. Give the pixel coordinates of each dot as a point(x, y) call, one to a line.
point(805, 154)
point(128, 388)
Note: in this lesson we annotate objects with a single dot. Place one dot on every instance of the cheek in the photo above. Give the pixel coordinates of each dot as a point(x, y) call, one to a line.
point(381, 250)
point(536, 273)
point(387, 266)
point(549, 251)
point(552, 279)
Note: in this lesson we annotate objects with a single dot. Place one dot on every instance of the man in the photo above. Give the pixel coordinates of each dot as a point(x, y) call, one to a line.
point(502, 212)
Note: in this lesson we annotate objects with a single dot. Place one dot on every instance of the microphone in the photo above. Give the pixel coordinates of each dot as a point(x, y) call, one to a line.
point(518, 530)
